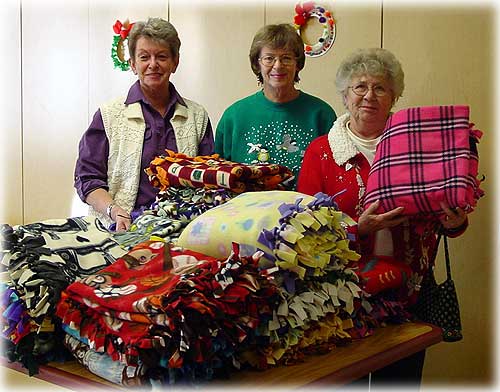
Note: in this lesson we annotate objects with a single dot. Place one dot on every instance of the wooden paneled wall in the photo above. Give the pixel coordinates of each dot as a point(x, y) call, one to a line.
point(11, 190)
point(58, 71)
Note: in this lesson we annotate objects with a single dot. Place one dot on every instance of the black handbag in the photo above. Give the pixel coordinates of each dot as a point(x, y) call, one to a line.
point(438, 303)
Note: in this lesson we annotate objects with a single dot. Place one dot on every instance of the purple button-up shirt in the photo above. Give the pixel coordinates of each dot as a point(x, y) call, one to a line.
point(92, 164)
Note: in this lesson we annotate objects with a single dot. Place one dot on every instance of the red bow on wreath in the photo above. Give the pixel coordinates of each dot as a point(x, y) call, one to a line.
point(302, 12)
point(122, 29)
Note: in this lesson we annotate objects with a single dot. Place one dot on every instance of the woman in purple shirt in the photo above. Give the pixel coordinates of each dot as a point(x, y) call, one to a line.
point(127, 133)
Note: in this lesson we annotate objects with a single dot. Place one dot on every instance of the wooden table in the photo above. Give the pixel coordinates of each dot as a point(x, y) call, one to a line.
point(340, 366)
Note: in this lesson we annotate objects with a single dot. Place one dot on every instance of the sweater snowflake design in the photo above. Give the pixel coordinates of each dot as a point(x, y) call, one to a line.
point(255, 129)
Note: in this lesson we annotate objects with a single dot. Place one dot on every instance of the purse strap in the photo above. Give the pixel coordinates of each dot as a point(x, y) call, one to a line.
point(447, 257)
point(446, 253)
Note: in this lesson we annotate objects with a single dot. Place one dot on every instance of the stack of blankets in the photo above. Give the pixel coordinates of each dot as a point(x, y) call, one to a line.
point(39, 260)
point(176, 169)
point(168, 315)
point(213, 278)
point(189, 186)
point(173, 209)
point(165, 314)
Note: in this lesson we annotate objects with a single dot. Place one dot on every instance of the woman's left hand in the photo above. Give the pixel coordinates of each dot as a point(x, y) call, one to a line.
point(453, 218)
point(121, 217)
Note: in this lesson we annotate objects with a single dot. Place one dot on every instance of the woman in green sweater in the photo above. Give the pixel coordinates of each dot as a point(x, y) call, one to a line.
point(277, 123)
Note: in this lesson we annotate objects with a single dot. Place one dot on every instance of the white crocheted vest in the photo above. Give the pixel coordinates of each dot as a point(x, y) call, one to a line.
point(125, 127)
point(190, 124)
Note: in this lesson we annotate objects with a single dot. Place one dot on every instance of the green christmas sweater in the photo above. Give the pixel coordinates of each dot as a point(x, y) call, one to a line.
point(257, 130)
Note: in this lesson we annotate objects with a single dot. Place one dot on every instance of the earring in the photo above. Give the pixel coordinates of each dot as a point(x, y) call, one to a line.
point(259, 80)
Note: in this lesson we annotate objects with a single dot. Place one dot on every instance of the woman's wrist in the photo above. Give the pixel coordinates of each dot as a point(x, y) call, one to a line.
point(458, 229)
point(109, 210)
point(114, 211)
point(362, 229)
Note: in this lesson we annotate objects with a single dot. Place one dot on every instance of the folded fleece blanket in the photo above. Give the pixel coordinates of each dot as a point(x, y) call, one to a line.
point(426, 155)
point(176, 169)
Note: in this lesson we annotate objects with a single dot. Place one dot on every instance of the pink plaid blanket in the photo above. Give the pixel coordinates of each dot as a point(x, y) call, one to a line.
point(426, 155)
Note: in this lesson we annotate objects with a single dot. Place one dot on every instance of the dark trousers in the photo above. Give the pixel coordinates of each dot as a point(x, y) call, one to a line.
point(405, 373)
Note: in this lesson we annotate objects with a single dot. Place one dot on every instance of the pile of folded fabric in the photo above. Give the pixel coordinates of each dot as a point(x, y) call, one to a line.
point(189, 186)
point(305, 247)
point(180, 170)
point(280, 289)
point(39, 260)
point(204, 283)
point(165, 315)
point(187, 203)
point(15, 320)
point(173, 209)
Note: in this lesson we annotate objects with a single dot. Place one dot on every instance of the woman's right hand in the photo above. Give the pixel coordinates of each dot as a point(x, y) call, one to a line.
point(370, 222)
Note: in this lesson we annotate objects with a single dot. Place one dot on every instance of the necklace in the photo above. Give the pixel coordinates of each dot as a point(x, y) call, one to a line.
point(359, 180)
point(361, 190)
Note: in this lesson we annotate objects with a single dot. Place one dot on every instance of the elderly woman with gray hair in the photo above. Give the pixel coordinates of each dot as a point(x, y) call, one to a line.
point(370, 82)
point(127, 133)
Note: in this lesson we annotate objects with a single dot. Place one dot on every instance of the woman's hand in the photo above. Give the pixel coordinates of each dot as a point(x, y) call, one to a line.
point(452, 218)
point(101, 201)
point(369, 221)
point(121, 217)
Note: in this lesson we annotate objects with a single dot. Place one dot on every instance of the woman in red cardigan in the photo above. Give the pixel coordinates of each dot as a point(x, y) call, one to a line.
point(370, 81)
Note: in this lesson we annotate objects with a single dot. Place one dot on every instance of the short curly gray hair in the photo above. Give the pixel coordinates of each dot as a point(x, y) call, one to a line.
point(158, 30)
point(373, 62)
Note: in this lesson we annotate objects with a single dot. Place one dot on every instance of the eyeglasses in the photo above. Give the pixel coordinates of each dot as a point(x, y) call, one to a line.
point(362, 89)
point(285, 60)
